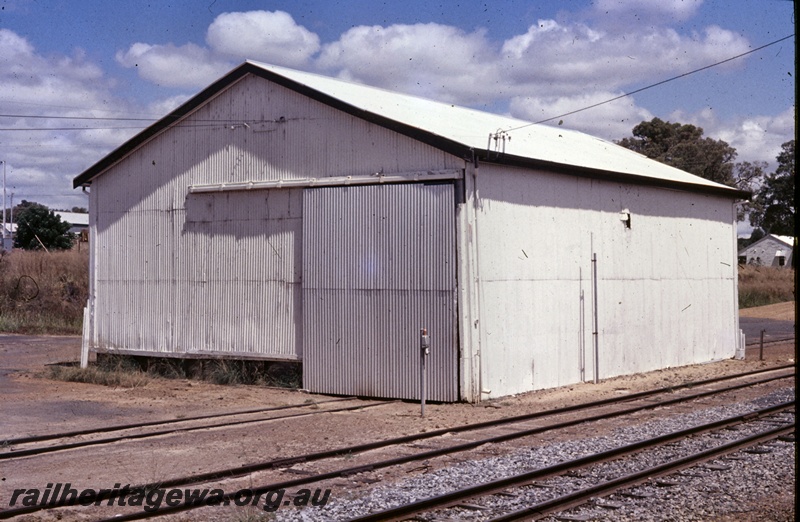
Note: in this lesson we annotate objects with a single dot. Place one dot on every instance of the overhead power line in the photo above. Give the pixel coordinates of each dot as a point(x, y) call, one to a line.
point(662, 82)
point(49, 117)
point(181, 125)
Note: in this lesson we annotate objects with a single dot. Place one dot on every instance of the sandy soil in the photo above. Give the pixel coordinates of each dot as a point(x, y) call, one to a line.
point(779, 311)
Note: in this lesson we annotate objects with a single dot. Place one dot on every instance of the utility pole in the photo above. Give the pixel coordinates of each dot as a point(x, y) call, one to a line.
point(3, 246)
point(11, 218)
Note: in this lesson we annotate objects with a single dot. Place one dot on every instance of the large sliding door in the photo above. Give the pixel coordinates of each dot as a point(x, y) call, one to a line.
point(378, 265)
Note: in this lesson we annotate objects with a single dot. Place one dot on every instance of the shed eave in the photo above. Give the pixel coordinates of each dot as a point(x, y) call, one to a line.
point(607, 175)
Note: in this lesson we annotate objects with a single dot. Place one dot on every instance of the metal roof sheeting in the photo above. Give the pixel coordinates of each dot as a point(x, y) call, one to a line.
point(458, 130)
point(472, 128)
point(74, 218)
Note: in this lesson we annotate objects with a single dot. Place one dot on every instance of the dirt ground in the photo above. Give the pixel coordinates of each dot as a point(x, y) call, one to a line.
point(778, 312)
point(30, 403)
point(33, 404)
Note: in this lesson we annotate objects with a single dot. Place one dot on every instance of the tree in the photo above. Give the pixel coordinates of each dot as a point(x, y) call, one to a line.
point(748, 175)
point(685, 148)
point(38, 226)
point(755, 235)
point(773, 207)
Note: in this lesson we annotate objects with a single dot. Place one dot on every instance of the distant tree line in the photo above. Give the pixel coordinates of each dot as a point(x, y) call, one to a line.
point(771, 209)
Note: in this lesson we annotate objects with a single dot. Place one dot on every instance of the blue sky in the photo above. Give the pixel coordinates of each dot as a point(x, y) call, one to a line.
point(530, 59)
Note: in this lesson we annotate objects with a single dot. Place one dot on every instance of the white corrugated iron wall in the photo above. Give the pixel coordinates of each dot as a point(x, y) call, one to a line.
point(379, 265)
point(179, 273)
point(665, 285)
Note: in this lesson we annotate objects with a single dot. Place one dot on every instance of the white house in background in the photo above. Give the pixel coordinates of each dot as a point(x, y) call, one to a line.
point(282, 215)
point(7, 238)
point(79, 221)
point(770, 250)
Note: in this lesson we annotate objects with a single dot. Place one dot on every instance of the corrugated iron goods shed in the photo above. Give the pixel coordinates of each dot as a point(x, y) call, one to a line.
point(282, 215)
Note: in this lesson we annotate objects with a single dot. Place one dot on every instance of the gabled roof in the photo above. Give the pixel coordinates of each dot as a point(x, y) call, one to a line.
point(458, 130)
point(788, 241)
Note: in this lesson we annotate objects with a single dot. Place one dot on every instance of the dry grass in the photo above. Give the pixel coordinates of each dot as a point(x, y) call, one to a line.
point(761, 285)
point(43, 293)
point(118, 374)
point(126, 371)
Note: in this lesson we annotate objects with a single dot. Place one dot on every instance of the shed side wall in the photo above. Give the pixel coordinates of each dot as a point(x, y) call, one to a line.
point(665, 284)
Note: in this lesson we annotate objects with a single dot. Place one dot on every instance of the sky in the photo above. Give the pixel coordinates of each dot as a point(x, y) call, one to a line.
point(78, 78)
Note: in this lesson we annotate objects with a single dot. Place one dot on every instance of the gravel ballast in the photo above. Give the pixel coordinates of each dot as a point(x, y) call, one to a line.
point(745, 486)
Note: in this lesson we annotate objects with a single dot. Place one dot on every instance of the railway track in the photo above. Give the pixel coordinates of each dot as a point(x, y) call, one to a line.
point(15, 452)
point(585, 493)
point(164, 422)
point(510, 428)
point(21, 446)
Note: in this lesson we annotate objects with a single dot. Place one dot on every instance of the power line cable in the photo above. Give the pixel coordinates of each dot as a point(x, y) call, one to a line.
point(109, 118)
point(51, 117)
point(237, 123)
point(650, 86)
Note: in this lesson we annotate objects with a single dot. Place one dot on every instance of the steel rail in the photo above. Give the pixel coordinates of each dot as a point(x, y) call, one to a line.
point(134, 436)
point(399, 440)
point(424, 455)
point(120, 427)
point(448, 499)
point(337, 452)
point(580, 497)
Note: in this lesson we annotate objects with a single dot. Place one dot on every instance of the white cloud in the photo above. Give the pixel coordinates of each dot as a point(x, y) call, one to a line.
point(430, 60)
point(41, 163)
point(186, 66)
point(273, 37)
point(757, 138)
point(550, 60)
point(611, 121)
point(556, 59)
point(165, 106)
point(26, 77)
